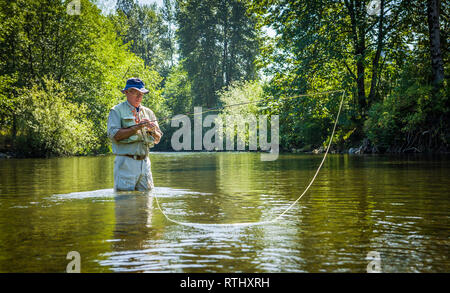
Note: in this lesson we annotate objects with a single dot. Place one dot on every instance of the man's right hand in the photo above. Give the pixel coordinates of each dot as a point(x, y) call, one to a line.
point(146, 123)
point(125, 133)
point(140, 125)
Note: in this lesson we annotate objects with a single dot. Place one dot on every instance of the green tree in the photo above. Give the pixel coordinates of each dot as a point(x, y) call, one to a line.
point(40, 41)
point(413, 116)
point(218, 44)
point(247, 93)
point(437, 63)
point(169, 40)
point(51, 125)
point(178, 100)
point(142, 27)
point(324, 45)
point(177, 91)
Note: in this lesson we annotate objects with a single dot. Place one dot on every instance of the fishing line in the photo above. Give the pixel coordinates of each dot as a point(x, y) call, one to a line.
point(244, 103)
point(247, 224)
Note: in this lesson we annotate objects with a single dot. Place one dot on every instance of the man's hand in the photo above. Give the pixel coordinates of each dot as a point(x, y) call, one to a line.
point(153, 128)
point(157, 136)
point(144, 123)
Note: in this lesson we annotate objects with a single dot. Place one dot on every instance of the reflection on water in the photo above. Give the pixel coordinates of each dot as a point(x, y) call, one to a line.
point(397, 206)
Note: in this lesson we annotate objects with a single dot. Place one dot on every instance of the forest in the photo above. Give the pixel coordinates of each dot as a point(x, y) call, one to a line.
point(63, 64)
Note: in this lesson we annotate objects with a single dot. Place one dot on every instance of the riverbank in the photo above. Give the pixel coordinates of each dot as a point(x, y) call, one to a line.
point(359, 150)
point(366, 147)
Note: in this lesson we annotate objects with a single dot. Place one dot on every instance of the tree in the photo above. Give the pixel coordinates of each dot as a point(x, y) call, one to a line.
point(437, 64)
point(312, 33)
point(51, 125)
point(178, 100)
point(81, 54)
point(169, 41)
point(218, 44)
point(126, 6)
point(177, 91)
point(142, 28)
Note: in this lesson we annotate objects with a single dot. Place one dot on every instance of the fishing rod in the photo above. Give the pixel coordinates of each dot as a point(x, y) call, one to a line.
point(214, 109)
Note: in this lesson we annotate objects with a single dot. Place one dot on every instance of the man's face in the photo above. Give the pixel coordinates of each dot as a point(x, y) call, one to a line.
point(134, 97)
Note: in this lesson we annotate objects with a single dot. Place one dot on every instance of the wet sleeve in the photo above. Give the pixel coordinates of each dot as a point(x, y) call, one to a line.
point(113, 124)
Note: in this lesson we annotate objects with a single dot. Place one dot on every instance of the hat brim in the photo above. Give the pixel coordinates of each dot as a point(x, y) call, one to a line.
point(142, 90)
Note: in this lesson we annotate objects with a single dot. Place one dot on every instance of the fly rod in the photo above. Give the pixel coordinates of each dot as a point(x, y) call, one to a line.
point(214, 109)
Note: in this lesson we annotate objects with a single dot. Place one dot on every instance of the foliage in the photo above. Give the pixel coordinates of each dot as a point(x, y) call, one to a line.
point(177, 100)
point(411, 118)
point(40, 41)
point(327, 45)
point(218, 45)
point(240, 102)
point(143, 28)
point(7, 99)
point(209, 53)
point(177, 91)
point(50, 125)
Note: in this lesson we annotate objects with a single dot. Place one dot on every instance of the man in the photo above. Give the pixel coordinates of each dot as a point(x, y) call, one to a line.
point(133, 129)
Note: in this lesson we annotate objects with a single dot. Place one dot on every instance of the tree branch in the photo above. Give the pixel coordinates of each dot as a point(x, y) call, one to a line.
point(349, 70)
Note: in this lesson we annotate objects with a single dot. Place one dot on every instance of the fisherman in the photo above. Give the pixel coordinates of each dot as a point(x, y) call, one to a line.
point(133, 129)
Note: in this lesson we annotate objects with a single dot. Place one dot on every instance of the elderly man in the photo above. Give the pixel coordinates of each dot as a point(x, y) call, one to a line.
point(133, 129)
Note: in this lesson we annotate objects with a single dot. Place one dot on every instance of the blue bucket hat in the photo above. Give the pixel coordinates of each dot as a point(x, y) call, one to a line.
point(135, 83)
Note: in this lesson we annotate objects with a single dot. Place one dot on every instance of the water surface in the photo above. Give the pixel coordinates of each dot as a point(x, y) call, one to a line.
point(396, 206)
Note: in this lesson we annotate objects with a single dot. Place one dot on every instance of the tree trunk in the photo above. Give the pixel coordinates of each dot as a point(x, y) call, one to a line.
point(225, 46)
point(376, 59)
point(360, 71)
point(360, 76)
point(14, 128)
point(437, 64)
point(359, 44)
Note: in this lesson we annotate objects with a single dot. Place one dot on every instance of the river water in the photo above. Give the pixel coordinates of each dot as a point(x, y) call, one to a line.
point(396, 207)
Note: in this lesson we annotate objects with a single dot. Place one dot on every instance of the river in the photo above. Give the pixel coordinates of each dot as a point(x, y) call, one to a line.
point(395, 207)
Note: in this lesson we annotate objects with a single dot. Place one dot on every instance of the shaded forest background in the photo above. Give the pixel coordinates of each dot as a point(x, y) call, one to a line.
point(60, 73)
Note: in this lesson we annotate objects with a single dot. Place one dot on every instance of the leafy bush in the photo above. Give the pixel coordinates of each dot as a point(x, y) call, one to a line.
point(248, 93)
point(48, 124)
point(382, 125)
point(414, 117)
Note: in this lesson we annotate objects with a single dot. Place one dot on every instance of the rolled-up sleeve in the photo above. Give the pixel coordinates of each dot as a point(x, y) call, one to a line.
point(113, 124)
